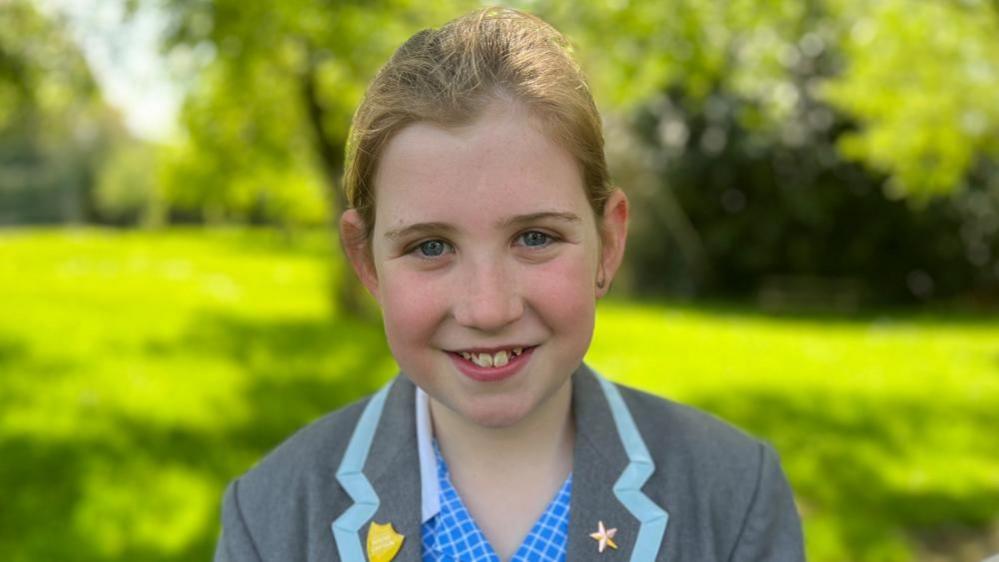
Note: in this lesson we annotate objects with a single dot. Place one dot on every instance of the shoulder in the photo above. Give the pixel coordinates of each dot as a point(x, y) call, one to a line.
point(699, 438)
point(315, 449)
point(725, 486)
point(291, 492)
point(712, 459)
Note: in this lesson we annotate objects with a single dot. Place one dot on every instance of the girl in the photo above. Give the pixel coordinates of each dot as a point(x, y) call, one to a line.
point(484, 223)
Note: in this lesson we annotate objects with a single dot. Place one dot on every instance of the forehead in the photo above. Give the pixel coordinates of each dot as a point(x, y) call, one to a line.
point(502, 163)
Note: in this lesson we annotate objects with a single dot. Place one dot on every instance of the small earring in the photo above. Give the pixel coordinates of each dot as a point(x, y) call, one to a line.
point(601, 281)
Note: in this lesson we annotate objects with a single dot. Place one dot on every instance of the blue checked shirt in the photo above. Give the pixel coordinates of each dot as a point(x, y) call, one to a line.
point(452, 535)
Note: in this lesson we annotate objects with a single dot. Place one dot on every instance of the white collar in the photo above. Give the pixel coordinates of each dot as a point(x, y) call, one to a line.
point(429, 486)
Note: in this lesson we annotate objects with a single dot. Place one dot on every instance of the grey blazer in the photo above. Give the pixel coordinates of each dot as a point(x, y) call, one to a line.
point(723, 493)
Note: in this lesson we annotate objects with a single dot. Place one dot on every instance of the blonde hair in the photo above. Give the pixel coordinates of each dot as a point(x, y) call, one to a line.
point(449, 75)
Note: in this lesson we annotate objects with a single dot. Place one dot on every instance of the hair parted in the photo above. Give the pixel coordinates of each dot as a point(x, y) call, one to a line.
point(449, 75)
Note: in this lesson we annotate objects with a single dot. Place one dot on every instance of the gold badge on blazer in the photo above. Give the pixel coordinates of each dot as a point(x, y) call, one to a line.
point(383, 542)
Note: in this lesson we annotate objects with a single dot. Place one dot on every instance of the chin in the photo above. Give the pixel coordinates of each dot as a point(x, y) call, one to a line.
point(497, 415)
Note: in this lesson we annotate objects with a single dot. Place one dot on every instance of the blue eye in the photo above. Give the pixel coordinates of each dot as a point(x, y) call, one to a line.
point(535, 239)
point(432, 248)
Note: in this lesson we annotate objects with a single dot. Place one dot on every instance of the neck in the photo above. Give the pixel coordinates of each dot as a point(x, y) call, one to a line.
point(539, 443)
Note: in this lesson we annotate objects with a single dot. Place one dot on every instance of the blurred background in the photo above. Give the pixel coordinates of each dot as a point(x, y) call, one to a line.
point(814, 252)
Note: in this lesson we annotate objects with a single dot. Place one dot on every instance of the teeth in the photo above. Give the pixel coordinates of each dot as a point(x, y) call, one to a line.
point(500, 359)
point(488, 360)
point(483, 360)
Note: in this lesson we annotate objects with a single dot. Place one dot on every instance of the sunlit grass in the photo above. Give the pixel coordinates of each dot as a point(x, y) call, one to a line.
point(139, 372)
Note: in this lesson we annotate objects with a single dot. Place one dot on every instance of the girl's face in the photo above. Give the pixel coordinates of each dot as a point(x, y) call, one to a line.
point(485, 257)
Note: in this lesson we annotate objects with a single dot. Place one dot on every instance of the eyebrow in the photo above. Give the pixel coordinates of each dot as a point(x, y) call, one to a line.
point(535, 217)
point(419, 228)
point(445, 228)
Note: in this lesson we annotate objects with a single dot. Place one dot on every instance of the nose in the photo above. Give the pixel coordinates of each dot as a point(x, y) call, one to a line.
point(488, 298)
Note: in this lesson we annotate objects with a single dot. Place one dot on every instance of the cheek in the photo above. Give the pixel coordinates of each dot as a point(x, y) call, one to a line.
point(563, 293)
point(411, 309)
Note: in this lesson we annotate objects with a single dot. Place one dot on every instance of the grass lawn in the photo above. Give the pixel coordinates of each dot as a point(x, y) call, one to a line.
point(140, 372)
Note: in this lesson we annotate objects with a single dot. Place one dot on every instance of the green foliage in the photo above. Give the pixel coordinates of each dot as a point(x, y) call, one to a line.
point(918, 78)
point(633, 50)
point(921, 79)
point(41, 70)
point(244, 161)
point(267, 119)
point(760, 207)
point(768, 143)
point(54, 126)
point(141, 371)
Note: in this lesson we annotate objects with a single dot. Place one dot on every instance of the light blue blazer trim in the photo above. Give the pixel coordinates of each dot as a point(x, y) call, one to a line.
point(350, 474)
point(702, 467)
point(628, 487)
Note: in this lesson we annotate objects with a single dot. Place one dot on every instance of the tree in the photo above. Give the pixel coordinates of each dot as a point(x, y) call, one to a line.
point(918, 79)
point(268, 117)
point(921, 81)
point(54, 126)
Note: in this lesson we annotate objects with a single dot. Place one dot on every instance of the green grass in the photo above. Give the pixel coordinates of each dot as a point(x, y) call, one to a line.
point(140, 372)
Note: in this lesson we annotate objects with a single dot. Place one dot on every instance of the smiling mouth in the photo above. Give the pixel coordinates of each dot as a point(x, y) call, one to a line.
point(493, 359)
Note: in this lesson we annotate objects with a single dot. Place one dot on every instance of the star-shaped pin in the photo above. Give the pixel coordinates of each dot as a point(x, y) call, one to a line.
point(604, 537)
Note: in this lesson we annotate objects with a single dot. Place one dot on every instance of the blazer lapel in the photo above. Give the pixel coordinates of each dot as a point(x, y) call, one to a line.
point(393, 469)
point(394, 466)
point(598, 461)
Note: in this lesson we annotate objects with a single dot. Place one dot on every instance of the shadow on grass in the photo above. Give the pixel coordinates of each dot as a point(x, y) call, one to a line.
point(145, 490)
point(11, 351)
point(843, 454)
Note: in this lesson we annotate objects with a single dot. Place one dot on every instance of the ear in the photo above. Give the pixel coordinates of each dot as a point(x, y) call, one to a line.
point(614, 236)
point(355, 243)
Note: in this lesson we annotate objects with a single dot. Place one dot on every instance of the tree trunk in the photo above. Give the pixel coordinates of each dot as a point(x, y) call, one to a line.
point(347, 294)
